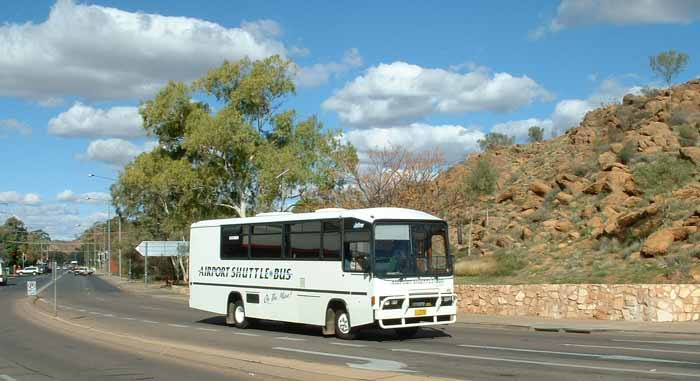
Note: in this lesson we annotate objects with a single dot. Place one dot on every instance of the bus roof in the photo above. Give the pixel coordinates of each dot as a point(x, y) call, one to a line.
point(369, 215)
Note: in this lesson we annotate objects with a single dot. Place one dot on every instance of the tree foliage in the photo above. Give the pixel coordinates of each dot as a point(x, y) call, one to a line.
point(239, 154)
point(495, 139)
point(481, 180)
point(668, 65)
point(535, 134)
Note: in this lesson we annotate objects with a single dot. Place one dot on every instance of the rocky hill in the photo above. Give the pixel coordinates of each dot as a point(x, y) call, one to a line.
point(616, 199)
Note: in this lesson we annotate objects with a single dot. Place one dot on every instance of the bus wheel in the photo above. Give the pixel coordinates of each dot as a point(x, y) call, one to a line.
point(236, 315)
point(343, 330)
point(406, 333)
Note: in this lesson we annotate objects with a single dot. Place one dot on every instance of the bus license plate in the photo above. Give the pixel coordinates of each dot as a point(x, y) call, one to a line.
point(420, 312)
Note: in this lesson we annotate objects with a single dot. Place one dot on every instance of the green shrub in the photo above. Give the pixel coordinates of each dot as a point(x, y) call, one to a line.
point(627, 152)
point(509, 261)
point(495, 139)
point(482, 178)
point(535, 134)
point(694, 237)
point(688, 135)
point(665, 174)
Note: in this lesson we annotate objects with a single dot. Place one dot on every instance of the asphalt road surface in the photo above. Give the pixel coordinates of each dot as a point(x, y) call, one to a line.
point(458, 351)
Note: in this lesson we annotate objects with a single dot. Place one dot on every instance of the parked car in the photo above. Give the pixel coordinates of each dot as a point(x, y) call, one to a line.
point(31, 270)
point(3, 276)
point(82, 271)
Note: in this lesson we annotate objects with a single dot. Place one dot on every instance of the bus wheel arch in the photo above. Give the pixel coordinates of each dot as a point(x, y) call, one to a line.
point(338, 320)
point(235, 311)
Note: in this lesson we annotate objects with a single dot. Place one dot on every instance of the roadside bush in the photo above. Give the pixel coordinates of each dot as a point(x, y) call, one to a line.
point(664, 174)
point(476, 266)
point(688, 135)
point(627, 152)
point(535, 134)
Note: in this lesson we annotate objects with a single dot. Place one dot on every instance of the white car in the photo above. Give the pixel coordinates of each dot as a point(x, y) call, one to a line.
point(3, 276)
point(31, 270)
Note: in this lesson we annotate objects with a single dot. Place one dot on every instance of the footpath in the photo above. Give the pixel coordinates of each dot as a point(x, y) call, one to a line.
point(532, 323)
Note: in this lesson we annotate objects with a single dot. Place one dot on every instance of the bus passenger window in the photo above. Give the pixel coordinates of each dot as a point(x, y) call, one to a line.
point(304, 240)
point(234, 242)
point(266, 241)
point(356, 253)
point(331, 240)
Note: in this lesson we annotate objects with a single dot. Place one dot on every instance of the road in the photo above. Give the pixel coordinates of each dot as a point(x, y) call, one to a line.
point(458, 351)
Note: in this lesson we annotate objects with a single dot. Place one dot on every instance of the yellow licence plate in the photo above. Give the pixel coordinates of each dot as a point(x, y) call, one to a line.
point(420, 312)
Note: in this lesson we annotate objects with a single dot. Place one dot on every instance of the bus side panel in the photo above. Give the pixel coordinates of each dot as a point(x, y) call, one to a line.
point(204, 249)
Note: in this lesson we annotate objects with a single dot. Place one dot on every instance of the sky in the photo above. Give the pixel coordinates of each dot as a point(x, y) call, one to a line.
point(394, 73)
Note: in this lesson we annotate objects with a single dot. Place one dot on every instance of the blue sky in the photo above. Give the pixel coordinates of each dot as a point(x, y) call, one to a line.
point(406, 73)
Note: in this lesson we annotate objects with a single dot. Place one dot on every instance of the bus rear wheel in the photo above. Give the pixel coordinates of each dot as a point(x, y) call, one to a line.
point(236, 315)
point(343, 329)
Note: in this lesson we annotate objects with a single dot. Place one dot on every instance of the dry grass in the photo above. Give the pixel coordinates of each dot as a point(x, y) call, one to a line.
point(477, 266)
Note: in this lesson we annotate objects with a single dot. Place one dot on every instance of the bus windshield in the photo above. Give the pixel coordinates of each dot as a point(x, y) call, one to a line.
point(411, 249)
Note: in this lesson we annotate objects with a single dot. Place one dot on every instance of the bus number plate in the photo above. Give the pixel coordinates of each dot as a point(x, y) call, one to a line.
point(420, 312)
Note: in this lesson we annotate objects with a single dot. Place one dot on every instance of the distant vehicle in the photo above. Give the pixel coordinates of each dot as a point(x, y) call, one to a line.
point(82, 271)
point(41, 269)
point(338, 269)
point(31, 270)
point(91, 270)
point(3, 276)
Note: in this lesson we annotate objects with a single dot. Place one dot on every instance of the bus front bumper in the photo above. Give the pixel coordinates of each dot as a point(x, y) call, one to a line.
point(416, 310)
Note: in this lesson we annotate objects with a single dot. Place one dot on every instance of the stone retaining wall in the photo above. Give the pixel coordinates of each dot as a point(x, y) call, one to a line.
point(640, 302)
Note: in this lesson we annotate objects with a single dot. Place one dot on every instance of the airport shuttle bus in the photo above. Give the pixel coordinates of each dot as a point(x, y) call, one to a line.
point(334, 268)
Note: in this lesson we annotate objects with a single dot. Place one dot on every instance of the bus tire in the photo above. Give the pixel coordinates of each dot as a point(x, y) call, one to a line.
point(343, 329)
point(406, 333)
point(236, 315)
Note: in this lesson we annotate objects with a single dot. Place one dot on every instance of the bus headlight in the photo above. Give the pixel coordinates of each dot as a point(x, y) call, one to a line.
point(393, 304)
point(447, 300)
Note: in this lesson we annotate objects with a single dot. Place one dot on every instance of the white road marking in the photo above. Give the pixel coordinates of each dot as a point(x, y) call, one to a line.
point(6, 377)
point(208, 329)
point(368, 363)
point(632, 348)
point(95, 313)
point(108, 315)
point(127, 318)
point(593, 355)
point(178, 325)
point(44, 287)
point(289, 338)
point(81, 310)
point(670, 342)
point(244, 334)
point(546, 363)
point(350, 345)
point(150, 321)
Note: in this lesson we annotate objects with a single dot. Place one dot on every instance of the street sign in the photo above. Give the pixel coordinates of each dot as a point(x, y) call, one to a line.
point(163, 248)
point(31, 288)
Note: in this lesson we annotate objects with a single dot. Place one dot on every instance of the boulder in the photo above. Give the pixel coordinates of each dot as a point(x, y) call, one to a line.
point(564, 226)
point(526, 233)
point(616, 148)
point(606, 160)
point(657, 244)
point(505, 195)
point(691, 153)
point(564, 198)
point(540, 188)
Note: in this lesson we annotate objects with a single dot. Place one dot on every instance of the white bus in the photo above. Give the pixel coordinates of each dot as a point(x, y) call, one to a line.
point(334, 268)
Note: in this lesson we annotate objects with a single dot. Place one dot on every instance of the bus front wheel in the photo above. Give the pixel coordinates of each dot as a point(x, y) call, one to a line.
point(236, 315)
point(343, 329)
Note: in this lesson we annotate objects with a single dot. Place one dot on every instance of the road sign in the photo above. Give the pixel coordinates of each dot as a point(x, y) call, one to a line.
point(163, 248)
point(31, 288)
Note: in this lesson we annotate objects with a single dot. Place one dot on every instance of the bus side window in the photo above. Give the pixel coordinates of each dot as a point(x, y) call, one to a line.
point(234, 242)
point(331, 240)
point(356, 241)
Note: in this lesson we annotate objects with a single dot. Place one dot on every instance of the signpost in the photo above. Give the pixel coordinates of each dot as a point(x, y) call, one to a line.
point(31, 288)
point(161, 249)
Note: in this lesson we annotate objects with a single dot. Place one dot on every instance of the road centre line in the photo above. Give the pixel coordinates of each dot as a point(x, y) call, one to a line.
point(545, 363)
point(631, 348)
point(367, 362)
point(207, 329)
point(177, 325)
point(149, 321)
point(590, 355)
point(7, 378)
point(244, 334)
point(126, 318)
point(44, 287)
point(289, 338)
point(669, 342)
point(350, 345)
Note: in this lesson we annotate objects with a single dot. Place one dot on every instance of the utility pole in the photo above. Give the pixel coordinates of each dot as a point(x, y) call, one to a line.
point(120, 246)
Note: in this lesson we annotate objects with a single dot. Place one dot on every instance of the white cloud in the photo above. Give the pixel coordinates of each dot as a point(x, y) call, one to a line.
point(568, 113)
point(454, 141)
point(13, 126)
point(59, 220)
point(85, 198)
point(116, 152)
point(391, 94)
point(85, 121)
point(319, 74)
point(519, 128)
point(13, 197)
point(574, 13)
point(99, 52)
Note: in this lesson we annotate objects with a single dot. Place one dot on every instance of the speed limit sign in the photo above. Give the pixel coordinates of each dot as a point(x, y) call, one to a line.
point(31, 288)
